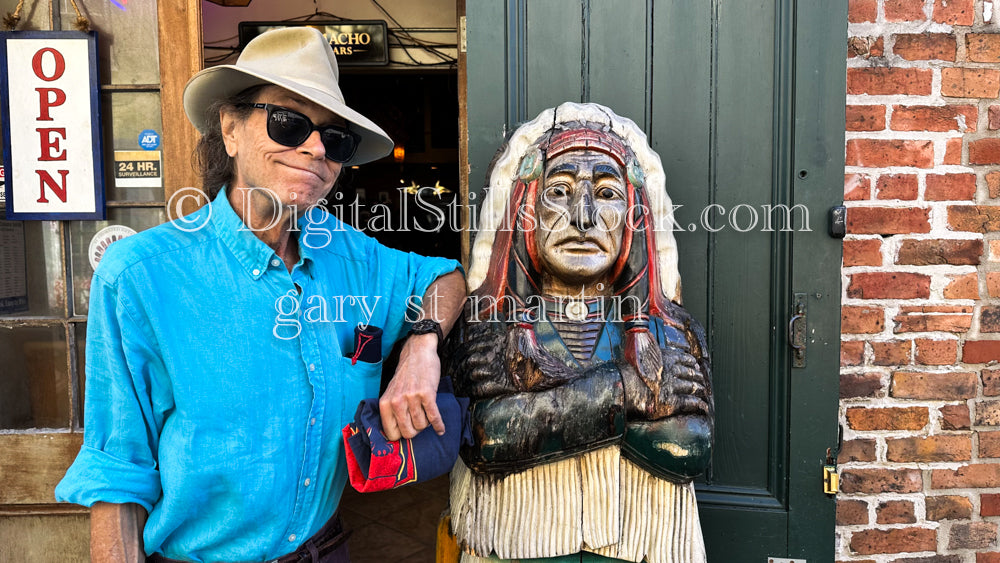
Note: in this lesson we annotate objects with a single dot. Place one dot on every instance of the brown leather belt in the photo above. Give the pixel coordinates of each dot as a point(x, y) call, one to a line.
point(328, 545)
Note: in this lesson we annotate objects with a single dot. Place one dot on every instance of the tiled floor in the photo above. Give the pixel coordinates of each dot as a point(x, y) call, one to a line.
point(397, 526)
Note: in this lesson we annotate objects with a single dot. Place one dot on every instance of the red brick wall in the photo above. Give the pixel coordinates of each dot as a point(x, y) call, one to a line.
point(920, 391)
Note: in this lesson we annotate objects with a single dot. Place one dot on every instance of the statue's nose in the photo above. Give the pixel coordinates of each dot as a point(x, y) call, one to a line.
point(582, 211)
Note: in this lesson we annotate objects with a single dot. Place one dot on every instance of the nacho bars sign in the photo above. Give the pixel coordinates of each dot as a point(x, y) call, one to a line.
point(354, 42)
point(51, 125)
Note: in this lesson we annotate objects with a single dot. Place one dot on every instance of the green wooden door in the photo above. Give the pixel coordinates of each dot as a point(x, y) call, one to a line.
point(744, 102)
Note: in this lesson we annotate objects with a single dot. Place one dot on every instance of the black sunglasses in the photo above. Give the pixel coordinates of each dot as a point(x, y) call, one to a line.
point(291, 128)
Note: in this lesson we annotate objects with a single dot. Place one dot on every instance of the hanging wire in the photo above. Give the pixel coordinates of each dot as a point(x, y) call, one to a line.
point(234, 49)
point(398, 37)
point(399, 42)
point(216, 41)
point(314, 15)
point(400, 34)
point(230, 51)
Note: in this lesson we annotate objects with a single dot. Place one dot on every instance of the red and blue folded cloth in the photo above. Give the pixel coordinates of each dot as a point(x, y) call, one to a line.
point(377, 464)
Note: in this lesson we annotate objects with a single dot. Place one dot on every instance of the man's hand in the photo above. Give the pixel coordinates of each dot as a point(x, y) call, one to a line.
point(409, 403)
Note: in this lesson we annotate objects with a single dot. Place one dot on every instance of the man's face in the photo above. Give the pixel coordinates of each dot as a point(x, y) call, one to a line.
point(581, 217)
point(298, 176)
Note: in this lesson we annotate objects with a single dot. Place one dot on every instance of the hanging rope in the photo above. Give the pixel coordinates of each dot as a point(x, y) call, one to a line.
point(82, 23)
point(10, 21)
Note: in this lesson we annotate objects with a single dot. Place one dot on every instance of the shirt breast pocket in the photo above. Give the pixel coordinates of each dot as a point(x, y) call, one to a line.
point(363, 378)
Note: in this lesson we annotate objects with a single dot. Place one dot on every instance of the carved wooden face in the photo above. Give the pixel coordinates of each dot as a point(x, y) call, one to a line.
point(581, 218)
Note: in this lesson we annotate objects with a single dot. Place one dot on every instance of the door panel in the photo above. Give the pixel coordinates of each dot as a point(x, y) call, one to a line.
point(559, 41)
point(713, 85)
point(741, 263)
point(817, 130)
point(623, 85)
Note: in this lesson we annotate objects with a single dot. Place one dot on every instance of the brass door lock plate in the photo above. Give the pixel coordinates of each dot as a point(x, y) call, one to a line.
point(831, 481)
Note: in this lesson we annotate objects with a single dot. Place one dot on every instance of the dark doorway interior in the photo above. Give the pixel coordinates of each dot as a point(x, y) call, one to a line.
point(408, 200)
point(420, 113)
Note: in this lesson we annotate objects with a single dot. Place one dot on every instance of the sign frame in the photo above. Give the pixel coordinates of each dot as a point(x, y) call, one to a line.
point(250, 29)
point(96, 136)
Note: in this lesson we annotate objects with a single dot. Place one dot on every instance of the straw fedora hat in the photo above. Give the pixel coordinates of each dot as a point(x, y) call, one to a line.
point(298, 59)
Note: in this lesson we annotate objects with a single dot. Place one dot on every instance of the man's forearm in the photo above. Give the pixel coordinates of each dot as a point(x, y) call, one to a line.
point(408, 404)
point(116, 533)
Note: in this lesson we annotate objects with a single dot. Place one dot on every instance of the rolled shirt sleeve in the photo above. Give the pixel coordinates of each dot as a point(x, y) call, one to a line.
point(411, 276)
point(118, 460)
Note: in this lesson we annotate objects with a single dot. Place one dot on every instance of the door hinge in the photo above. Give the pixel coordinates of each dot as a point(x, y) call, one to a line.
point(797, 331)
point(461, 35)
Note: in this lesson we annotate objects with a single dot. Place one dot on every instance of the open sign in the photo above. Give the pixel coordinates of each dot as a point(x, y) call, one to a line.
point(51, 125)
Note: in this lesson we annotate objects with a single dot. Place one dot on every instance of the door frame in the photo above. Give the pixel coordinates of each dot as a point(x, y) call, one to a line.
point(819, 78)
point(181, 55)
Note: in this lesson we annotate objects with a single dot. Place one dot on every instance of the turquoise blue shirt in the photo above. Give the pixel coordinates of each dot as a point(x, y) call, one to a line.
point(216, 391)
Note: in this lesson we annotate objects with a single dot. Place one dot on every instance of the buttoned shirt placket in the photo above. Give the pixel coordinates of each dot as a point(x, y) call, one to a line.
point(298, 282)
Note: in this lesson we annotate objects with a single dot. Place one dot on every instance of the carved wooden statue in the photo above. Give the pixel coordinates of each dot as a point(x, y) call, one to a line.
point(591, 387)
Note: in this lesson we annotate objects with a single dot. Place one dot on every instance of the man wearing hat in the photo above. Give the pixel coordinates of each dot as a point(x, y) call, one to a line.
point(212, 430)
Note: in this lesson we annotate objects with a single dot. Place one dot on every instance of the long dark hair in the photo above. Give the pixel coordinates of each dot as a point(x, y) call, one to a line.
point(217, 168)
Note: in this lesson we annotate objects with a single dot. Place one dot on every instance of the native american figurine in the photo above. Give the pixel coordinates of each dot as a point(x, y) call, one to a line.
point(591, 387)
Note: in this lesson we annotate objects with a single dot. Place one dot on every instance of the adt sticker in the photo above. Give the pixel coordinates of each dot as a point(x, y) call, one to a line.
point(149, 139)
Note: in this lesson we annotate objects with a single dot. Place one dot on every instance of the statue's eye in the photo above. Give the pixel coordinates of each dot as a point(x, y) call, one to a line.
point(557, 191)
point(607, 193)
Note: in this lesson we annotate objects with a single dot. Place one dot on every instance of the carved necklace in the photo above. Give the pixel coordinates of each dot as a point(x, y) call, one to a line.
point(578, 323)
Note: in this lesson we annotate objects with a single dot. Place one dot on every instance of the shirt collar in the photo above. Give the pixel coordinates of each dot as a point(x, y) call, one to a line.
point(250, 251)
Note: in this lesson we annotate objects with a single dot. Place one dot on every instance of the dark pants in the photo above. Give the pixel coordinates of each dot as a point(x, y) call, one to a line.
point(328, 545)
